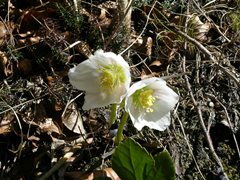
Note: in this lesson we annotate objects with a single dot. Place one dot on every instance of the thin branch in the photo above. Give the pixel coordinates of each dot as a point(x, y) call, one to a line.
point(196, 105)
point(189, 147)
point(229, 123)
point(206, 52)
point(199, 112)
point(144, 28)
point(57, 166)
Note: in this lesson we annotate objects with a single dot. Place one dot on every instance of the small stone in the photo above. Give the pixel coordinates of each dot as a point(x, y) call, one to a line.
point(211, 104)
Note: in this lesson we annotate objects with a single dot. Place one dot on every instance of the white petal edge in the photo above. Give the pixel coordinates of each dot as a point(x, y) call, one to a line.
point(84, 77)
point(160, 124)
point(93, 100)
point(102, 59)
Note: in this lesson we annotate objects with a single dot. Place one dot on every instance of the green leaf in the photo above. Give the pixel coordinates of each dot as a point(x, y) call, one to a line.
point(131, 161)
point(164, 166)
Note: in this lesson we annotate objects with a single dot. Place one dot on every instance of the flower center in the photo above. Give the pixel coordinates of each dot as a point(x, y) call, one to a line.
point(110, 77)
point(143, 99)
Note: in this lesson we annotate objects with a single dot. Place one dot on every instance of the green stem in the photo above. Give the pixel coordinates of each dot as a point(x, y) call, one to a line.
point(113, 114)
point(123, 121)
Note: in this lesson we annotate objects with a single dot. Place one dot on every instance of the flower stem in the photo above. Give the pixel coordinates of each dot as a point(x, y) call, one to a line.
point(113, 114)
point(123, 121)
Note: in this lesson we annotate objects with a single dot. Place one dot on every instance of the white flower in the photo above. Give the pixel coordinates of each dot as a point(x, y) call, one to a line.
point(149, 102)
point(105, 77)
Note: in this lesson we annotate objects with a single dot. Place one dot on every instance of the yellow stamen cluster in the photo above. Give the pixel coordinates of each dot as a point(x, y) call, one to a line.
point(143, 99)
point(110, 77)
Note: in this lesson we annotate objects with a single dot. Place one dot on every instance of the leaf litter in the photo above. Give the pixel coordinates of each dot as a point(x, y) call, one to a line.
point(44, 133)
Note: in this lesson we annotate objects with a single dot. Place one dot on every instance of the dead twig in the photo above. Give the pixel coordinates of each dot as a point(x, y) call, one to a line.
point(57, 166)
point(144, 28)
point(189, 146)
point(196, 105)
point(206, 52)
point(229, 122)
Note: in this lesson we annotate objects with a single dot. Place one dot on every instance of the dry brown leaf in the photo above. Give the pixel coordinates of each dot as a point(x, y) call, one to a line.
point(72, 119)
point(29, 41)
point(6, 29)
point(5, 124)
point(3, 33)
point(199, 28)
point(49, 127)
point(143, 45)
point(154, 69)
point(25, 66)
point(84, 49)
point(30, 19)
point(105, 19)
point(108, 172)
point(5, 66)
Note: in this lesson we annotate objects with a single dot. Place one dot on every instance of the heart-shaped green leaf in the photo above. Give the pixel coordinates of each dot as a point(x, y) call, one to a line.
point(132, 162)
point(164, 166)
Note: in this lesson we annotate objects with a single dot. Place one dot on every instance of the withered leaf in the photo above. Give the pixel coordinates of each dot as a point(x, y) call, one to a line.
point(72, 119)
point(108, 173)
point(5, 66)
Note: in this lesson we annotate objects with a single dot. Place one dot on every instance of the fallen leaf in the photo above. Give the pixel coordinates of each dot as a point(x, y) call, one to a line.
point(5, 124)
point(198, 29)
point(25, 66)
point(107, 173)
point(143, 45)
point(5, 65)
point(84, 49)
point(3, 33)
point(72, 119)
point(48, 126)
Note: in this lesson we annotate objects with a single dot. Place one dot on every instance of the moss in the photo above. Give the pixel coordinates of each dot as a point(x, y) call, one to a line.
point(227, 155)
point(235, 17)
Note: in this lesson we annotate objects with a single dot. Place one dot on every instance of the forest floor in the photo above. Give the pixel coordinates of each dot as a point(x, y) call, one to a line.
point(194, 45)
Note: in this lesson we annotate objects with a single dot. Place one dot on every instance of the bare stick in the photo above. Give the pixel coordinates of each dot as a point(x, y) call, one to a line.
point(207, 53)
point(144, 28)
point(189, 147)
point(196, 105)
point(57, 166)
point(229, 123)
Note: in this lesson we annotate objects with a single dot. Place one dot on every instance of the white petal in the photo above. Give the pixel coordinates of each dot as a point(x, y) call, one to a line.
point(101, 99)
point(166, 98)
point(165, 101)
point(155, 122)
point(134, 113)
point(96, 100)
point(136, 86)
point(102, 59)
point(84, 77)
point(121, 91)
